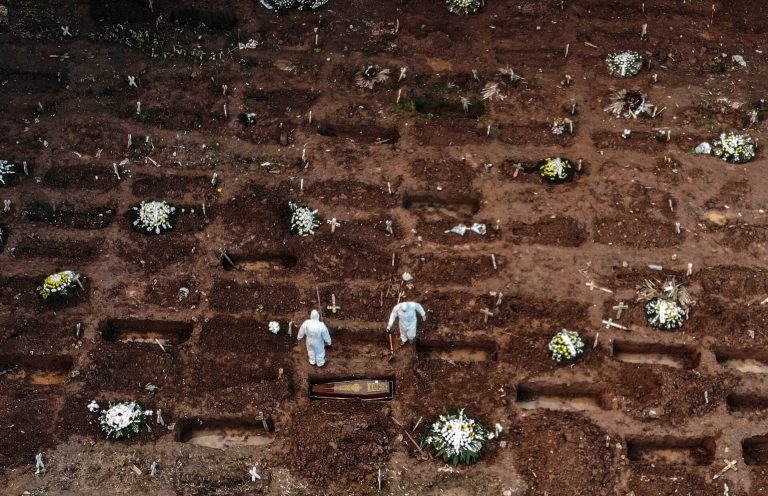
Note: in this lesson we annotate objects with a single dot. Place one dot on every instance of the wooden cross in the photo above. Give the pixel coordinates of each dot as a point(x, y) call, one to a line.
point(728, 466)
point(223, 254)
point(610, 323)
point(592, 286)
point(619, 309)
point(486, 313)
point(333, 307)
point(518, 168)
point(334, 224)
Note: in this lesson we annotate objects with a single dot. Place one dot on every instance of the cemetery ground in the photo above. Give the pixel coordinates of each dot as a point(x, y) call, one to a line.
point(125, 106)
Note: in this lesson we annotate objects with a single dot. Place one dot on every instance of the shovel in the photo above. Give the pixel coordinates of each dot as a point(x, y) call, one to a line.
point(391, 348)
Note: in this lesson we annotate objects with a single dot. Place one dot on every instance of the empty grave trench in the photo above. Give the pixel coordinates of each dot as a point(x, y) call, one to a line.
point(267, 260)
point(562, 397)
point(451, 204)
point(755, 450)
point(40, 370)
point(746, 361)
point(224, 433)
point(672, 450)
point(146, 331)
point(482, 351)
point(679, 356)
point(746, 403)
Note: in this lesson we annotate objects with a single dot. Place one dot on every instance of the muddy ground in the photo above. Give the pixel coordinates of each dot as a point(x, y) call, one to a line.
point(644, 412)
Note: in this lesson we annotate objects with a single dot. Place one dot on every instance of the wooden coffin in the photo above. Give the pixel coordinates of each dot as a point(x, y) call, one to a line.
point(363, 389)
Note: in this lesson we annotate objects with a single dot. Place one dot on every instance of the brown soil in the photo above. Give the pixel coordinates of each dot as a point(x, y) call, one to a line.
point(168, 321)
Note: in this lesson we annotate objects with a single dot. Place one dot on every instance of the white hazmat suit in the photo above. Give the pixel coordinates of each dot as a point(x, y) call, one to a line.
point(405, 312)
point(317, 337)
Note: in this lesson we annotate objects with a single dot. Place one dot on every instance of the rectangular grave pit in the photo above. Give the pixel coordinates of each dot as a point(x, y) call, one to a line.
point(745, 361)
point(561, 397)
point(451, 204)
point(225, 433)
point(755, 450)
point(259, 261)
point(146, 331)
point(744, 404)
point(678, 356)
point(42, 370)
point(669, 450)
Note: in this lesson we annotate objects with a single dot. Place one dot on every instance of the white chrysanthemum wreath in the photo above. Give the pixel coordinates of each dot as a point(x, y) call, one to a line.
point(121, 420)
point(303, 221)
point(457, 438)
point(153, 217)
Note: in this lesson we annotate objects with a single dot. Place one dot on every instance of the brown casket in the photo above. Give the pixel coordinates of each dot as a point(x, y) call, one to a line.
point(363, 389)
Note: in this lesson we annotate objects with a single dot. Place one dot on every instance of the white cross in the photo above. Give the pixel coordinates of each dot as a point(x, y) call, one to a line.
point(132, 82)
point(334, 224)
point(39, 465)
point(620, 308)
point(610, 323)
point(518, 168)
point(65, 31)
point(592, 286)
point(728, 466)
point(254, 473)
point(333, 307)
point(486, 313)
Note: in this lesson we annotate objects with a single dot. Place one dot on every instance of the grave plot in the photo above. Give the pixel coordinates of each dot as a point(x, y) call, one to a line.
point(678, 356)
point(224, 433)
point(397, 121)
point(85, 177)
point(41, 370)
point(565, 397)
point(671, 450)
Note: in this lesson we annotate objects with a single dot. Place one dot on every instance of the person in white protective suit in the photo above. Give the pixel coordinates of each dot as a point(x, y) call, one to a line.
point(405, 312)
point(317, 337)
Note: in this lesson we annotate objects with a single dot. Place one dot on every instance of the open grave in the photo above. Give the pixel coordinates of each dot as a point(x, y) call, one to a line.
point(679, 356)
point(146, 331)
point(225, 433)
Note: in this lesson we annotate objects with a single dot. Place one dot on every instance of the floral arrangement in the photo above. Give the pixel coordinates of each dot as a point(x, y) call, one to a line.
point(303, 221)
point(464, 7)
point(122, 419)
point(274, 326)
point(566, 345)
point(735, 148)
point(7, 169)
point(624, 64)
point(457, 438)
point(629, 103)
point(282, 5)
point(556, 170)
point(153, 217)
point(371, 75)
point(667, 305)
point(60, 284)
point(560, 124)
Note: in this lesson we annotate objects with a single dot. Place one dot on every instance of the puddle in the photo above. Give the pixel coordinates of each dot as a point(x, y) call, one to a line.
point(559, 397)
point(446, 204)
point(458, 352)
point(146, 331)
point(677, 356)
point(224, 433)
point(755, 450)
point(260, 261)
point(748, 362)
point(45, 370)
point(672, 451)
